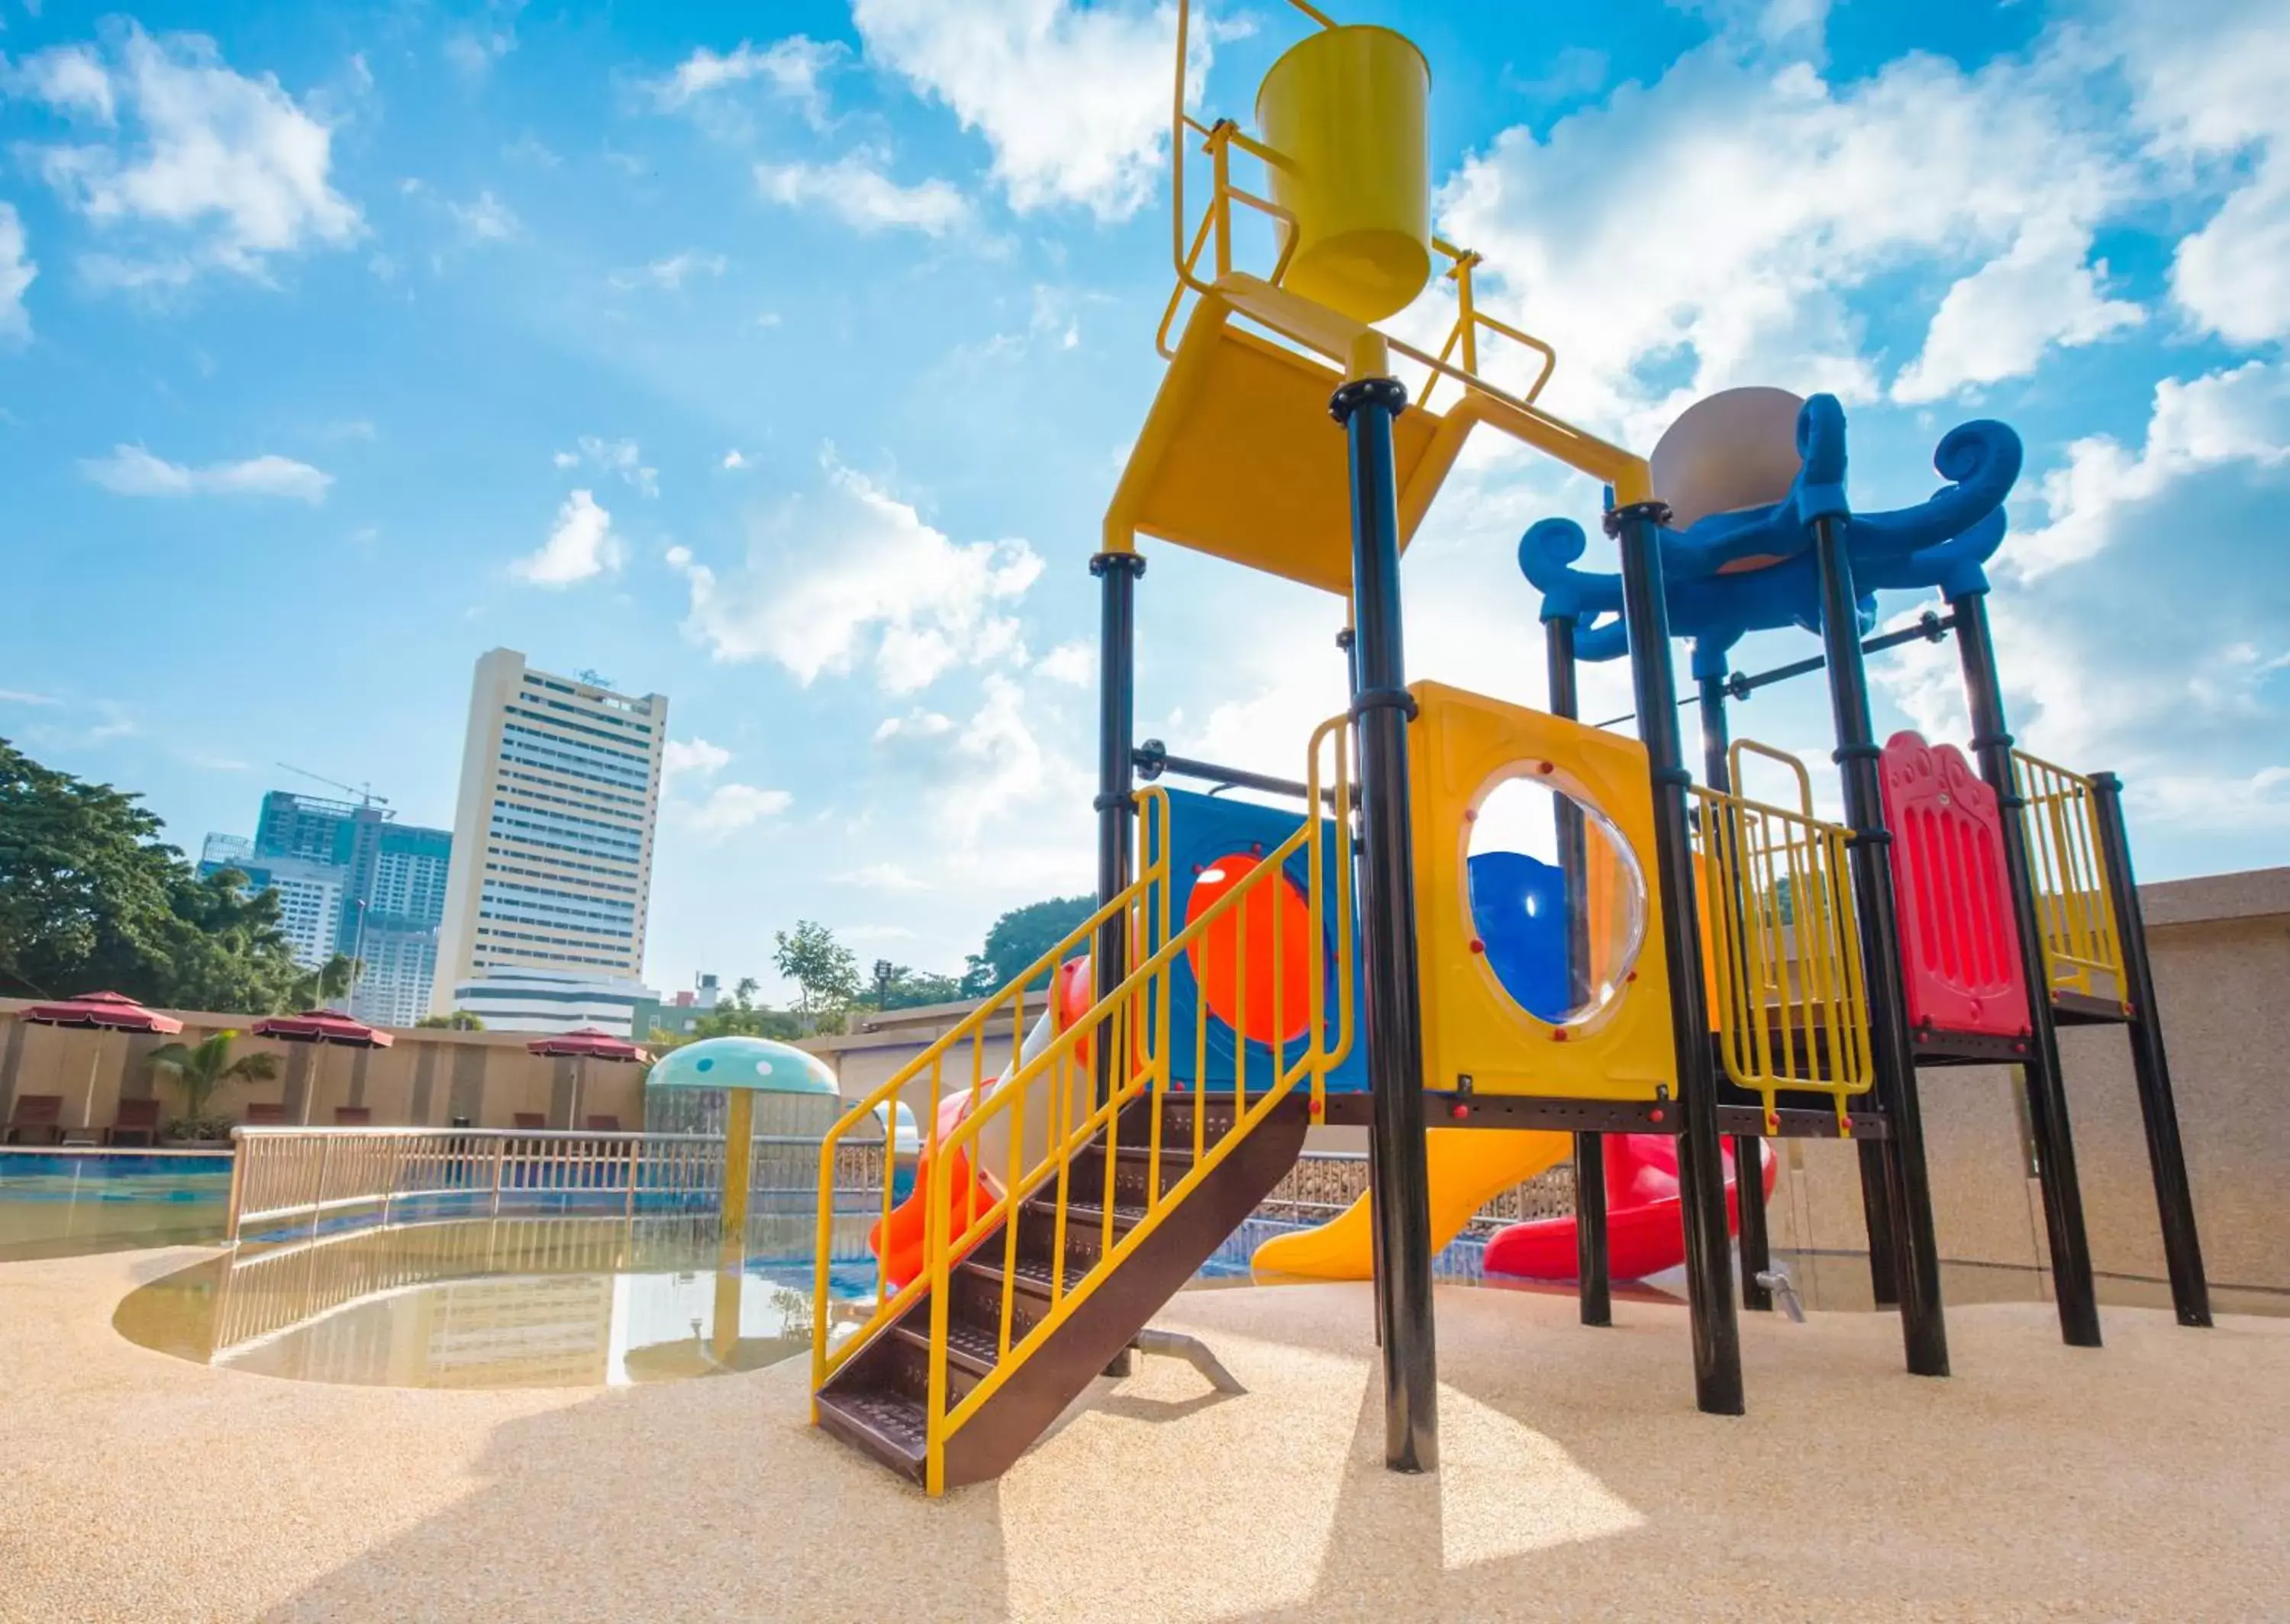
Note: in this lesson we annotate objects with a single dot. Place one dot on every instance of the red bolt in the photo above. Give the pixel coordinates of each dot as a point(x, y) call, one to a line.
point(1477, 945)
point(1470, 815)
point(1542, 766)
point(1656, 1115)
point(1458, 1111)
point(1632, 977)
point(1558, 1035)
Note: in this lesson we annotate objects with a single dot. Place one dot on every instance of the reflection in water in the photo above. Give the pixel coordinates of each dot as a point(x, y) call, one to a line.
point(507, 1302)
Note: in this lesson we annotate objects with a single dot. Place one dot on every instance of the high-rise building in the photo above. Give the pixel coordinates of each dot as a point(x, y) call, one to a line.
point(349, 879)
point(544, 921)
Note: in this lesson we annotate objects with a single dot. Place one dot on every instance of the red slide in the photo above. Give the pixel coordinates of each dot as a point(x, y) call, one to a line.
point(1645, 1231)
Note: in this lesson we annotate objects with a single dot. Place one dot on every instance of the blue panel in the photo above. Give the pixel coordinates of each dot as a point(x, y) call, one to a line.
point(1518, 908)
point(1202, 830)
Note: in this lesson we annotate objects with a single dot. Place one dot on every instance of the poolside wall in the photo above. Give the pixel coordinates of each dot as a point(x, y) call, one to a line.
point(427, 1077)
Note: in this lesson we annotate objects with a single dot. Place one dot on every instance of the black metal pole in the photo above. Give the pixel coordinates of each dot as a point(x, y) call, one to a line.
point(1382, 707)
point(2166, 1157)
point(1748, 1149)
point(1117, 716)
point(2046, 1080)
point(1594, 1288)
point(1701, 1174)
point(1907, 1187)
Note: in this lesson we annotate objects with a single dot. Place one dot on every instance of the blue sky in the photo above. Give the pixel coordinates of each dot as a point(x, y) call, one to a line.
point(781, 359)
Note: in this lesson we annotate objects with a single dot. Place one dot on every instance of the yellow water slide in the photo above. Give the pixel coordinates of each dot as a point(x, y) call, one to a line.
point(1469, 1168)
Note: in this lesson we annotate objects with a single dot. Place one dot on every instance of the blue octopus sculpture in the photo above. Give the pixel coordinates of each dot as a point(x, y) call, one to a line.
point(1732, 573)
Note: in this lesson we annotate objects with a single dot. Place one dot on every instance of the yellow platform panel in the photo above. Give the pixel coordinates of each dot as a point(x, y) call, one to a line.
point(1240, 458)
point(1463, 747)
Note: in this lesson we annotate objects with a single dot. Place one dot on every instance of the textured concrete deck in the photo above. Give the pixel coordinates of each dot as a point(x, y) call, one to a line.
point(2145, 1481)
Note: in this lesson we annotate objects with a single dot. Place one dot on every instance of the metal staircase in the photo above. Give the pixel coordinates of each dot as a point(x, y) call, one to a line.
point(1106, 1182)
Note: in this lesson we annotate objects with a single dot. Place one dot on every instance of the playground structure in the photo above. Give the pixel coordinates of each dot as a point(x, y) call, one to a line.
point(1679, 961)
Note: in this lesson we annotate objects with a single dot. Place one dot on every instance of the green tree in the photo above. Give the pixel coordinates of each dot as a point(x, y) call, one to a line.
point(901, 987)
point(826, 973)
point(91, 896)
point(1020, 937)
point(201, 1069)
point(736, 1016)
point(331, 980)
point(460, 1021)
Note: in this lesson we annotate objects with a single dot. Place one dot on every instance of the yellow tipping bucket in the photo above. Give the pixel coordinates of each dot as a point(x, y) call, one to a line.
point(1345, 110)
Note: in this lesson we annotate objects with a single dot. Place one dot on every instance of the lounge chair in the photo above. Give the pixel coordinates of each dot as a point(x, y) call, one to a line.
point(265, 1113)
point(136, 1122)
point(601, 1124)
point(352, 1116)
point(527, 1121)
point(38, 1119)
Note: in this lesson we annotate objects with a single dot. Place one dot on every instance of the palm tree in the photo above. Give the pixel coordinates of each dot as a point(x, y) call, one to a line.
point(201, 1068)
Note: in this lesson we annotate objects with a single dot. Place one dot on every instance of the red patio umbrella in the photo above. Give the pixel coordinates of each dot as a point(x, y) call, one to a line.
point(324, 1027)
point(585, 1045)
point(104, 1012)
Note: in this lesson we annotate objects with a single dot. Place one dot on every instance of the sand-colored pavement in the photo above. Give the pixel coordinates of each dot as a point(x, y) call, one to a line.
point(2144, 1481)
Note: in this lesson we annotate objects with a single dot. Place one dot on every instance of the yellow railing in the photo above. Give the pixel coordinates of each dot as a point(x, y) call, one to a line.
point(2082, 951)
point(1215, 237)
point(1132, 1022)
point(1791, 1009)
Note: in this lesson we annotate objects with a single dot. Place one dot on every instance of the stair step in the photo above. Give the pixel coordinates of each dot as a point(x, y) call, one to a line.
point(886, 1425)
point(1031, 1274)
point(1085, 1214)
point(974, 1348)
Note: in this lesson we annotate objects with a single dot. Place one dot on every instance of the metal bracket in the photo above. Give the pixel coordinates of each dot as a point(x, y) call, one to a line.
point(1193, 1351)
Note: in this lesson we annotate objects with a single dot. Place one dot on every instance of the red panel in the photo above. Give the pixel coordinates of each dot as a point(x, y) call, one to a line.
point(1958, 948)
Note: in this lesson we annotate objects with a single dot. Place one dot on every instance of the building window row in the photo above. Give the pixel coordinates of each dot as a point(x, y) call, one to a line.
point(555, 903)
point(576, 727)
point(549, 823)
point(555, 874)
point(577, 760)
point(577, 800)
point(554, 778)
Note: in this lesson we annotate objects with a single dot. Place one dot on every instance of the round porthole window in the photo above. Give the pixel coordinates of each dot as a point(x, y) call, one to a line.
point(1558, 904)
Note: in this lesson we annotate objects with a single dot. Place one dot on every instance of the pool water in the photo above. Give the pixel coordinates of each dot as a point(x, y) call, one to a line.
point(59, 1204)
point(512, 1302)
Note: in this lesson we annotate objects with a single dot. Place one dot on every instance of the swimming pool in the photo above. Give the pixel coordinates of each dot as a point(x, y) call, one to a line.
point(57, 1203)
point(520, 1301)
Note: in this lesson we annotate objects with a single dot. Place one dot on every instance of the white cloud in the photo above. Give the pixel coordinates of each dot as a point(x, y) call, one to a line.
point(917, 724)
point(623, 458)
point(1997, 322)
point(680, 756)
point(581, 545)
point(1777, 193)
point(883, 876)
point(854, 575)
point(17, 269)
point(1073, 100)
point(2208, 77)
point(732, 807)
point(223, 171)
point(2241, 415)
point(485, 220)
point(131, 470)
point(669, 273)
point(981, 770)
point(1070, 662)
point(72, 79)
point(855, 190)
point(791, 68)
point(733, 459)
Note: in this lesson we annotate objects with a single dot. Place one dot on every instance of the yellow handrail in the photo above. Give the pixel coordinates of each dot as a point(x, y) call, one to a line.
point(1791, 1011)
point(1142, 1067)
point(2083, 951)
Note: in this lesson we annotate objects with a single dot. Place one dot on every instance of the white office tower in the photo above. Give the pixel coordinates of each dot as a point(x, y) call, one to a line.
point(544, 924)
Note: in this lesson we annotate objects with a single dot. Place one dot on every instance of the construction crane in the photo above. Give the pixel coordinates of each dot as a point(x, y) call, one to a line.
point(364, 792)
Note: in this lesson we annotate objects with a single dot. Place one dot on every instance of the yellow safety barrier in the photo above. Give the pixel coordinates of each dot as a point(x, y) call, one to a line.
point(1791, 1012)
point(2083, 953)
point(1132, 1021)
